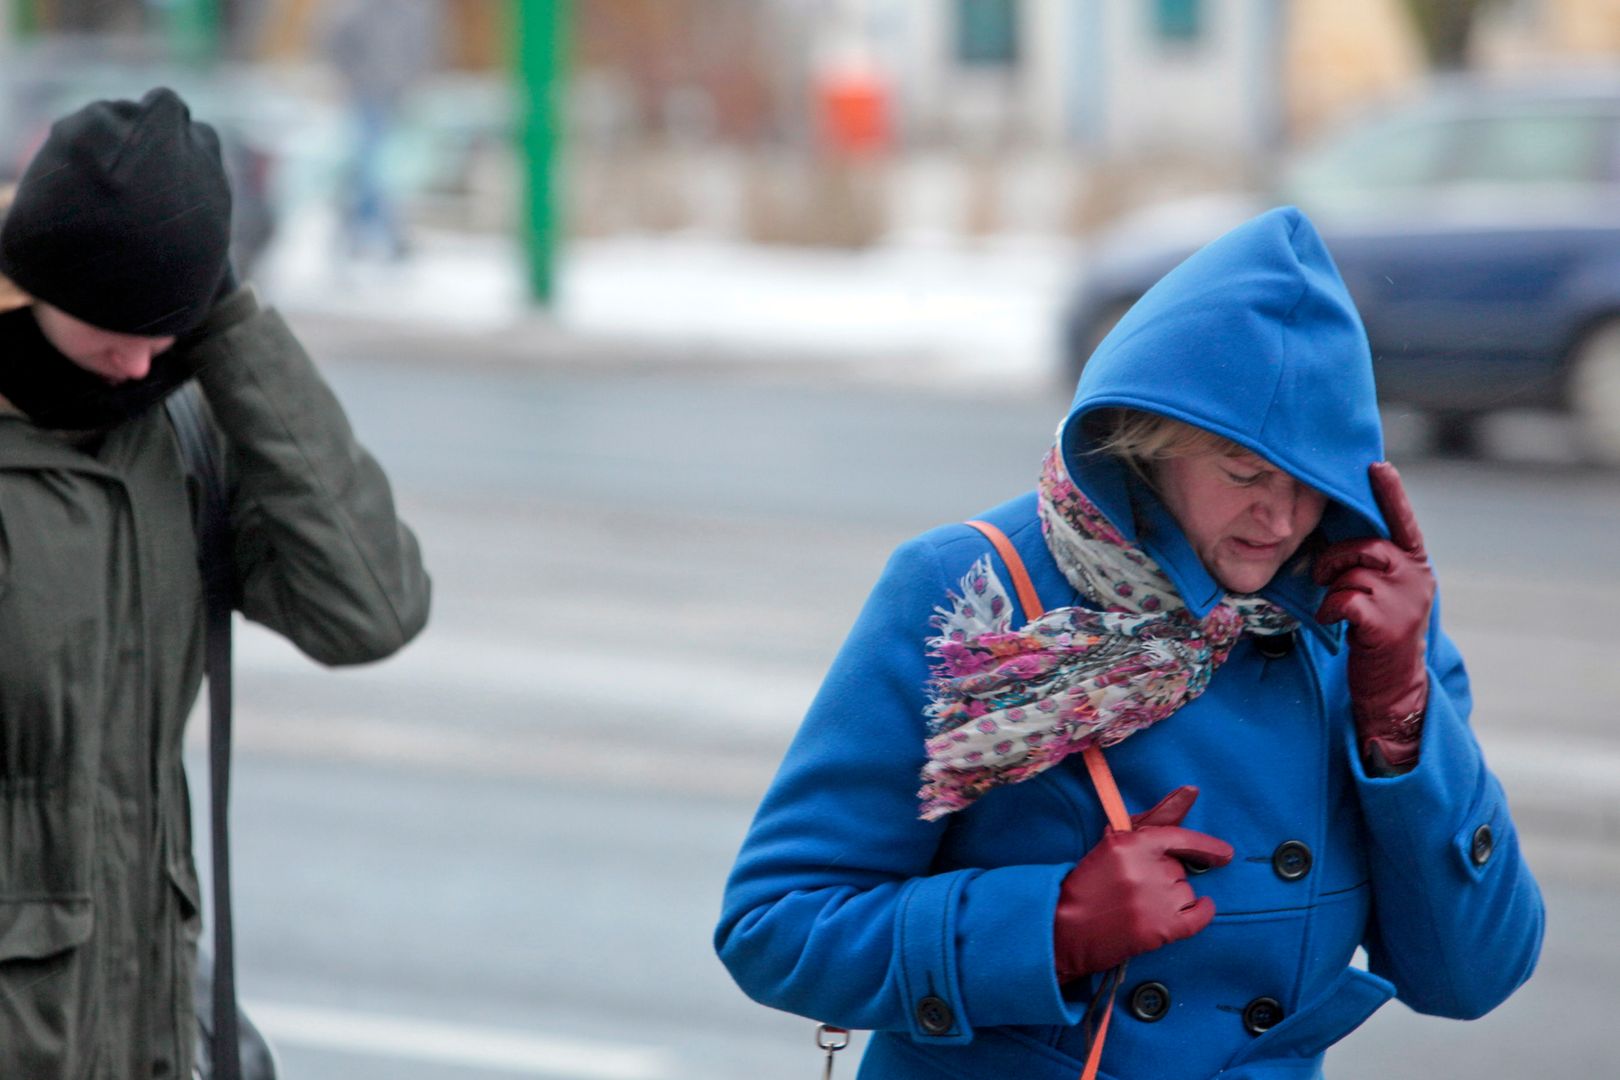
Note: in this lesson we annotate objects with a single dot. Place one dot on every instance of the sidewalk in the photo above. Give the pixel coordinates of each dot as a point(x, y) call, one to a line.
point(922, 310)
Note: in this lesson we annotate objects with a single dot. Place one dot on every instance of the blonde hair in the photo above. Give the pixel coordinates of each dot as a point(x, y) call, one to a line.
point(1141, 439)
point(11, 297)
point(1148, 436)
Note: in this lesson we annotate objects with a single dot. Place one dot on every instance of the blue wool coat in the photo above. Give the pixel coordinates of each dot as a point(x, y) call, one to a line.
point(846, 907)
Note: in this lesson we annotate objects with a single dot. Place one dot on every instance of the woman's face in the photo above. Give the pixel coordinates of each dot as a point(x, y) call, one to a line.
point(115, 357)
point(1243, 516)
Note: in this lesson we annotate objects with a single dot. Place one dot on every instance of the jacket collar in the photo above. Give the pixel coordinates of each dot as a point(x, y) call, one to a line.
point(1144, 520)
point(24, 447)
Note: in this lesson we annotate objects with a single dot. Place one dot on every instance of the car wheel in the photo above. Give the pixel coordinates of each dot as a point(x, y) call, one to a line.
point(1594, 393)
point(1086, 339)
point(1455, 434)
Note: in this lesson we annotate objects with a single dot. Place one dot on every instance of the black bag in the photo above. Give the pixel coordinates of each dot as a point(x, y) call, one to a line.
point(256, 1059)
point(220, 1020)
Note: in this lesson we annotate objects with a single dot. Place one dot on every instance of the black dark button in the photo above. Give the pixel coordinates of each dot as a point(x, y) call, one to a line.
point(1482, 847)
point(1274, 646)
point(1262, 1014)
point(1149, 1002)
point(935, 1016)
point(1291, 860)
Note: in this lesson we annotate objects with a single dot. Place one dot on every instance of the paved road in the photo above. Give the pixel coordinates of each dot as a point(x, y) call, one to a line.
point(500, 853)
point(429, 911)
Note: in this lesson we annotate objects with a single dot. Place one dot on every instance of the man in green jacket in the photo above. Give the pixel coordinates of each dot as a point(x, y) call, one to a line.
point(118, 236)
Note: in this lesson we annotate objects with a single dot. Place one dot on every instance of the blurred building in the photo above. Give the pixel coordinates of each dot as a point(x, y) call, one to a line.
point(848, 121)
point(1541, 33)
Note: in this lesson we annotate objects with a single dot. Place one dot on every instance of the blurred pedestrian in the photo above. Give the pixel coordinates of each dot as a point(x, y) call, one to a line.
point(379, 49)
point(1241, 633)
point(117, 237)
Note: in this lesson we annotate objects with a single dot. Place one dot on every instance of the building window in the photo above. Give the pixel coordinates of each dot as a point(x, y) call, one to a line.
point(1178, 20)
point(987, 32)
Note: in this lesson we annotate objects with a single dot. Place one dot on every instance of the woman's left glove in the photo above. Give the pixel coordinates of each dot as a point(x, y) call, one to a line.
point(1129, 894)
point(1385, 589)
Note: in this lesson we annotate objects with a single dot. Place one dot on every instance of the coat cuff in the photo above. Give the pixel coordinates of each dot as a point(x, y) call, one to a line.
point(239, 306)
point(1442, 789)
point(975, 948)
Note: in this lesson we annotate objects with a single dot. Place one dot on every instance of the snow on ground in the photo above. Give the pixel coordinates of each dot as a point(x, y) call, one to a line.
point(979, 312)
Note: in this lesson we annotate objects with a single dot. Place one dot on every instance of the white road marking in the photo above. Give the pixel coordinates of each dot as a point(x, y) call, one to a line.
point(729, 705)
point(462, 1046)
point(702, 694)
point(1582, 775)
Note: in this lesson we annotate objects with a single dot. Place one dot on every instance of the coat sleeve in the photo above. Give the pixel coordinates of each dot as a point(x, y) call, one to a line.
point(834, 909)
point(321, 556)
point(1457, 916)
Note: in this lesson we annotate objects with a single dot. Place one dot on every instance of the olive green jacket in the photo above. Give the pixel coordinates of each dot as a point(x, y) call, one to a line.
point(101, 656)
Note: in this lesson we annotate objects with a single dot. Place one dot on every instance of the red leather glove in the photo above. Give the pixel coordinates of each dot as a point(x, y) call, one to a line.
point(1129, 895)
point(1385, 589)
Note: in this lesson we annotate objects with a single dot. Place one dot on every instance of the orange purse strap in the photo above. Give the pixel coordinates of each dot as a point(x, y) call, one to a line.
point(1102, 778)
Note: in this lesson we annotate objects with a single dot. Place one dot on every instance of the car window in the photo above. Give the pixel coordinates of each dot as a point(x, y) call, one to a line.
point(1534, 148)
point(1374, 161)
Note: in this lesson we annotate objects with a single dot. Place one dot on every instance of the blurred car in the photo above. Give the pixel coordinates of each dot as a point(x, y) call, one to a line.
point(1478, 230)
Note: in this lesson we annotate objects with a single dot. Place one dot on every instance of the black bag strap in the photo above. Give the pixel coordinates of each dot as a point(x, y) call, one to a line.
point(202, 459)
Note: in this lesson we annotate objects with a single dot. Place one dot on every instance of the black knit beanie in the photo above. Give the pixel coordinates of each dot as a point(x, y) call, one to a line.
point(123, 218)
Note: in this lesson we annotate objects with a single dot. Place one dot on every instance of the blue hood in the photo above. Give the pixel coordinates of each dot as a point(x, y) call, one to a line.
point(1255, 338)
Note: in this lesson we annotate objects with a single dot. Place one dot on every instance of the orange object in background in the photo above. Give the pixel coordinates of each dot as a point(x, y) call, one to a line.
point(852, 113)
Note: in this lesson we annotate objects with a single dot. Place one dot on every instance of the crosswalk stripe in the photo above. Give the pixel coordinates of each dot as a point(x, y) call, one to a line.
point(463, 1046)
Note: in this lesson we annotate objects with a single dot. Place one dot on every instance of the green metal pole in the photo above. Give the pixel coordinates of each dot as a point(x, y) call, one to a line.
point(540, 40)
point(192, 27)
point(24, 18)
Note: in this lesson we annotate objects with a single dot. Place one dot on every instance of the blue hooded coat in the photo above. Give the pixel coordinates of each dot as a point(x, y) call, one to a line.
point(846, 907)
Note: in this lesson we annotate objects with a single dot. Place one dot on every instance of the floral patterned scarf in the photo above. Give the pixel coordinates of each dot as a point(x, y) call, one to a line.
point(1008, 704)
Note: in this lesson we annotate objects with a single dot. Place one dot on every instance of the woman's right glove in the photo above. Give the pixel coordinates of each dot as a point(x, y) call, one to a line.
point(1129, 894)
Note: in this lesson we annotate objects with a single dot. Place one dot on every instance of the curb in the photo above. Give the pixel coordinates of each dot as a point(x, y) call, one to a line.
point(538, 342)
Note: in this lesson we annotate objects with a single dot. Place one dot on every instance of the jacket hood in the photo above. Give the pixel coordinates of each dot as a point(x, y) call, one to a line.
point(1255, 338)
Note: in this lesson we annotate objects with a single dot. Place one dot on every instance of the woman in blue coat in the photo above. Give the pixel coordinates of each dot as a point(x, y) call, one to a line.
point(1237, 607)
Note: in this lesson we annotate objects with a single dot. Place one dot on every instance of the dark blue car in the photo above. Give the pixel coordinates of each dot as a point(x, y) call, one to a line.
point(1479, 232)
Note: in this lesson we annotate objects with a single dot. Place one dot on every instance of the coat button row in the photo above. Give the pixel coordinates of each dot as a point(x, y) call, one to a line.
point(1292, 860)
point(1149, 1002)
point(1483, 845)
point(935, 1016)
point(1274, 646)
point(1261, 1015)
